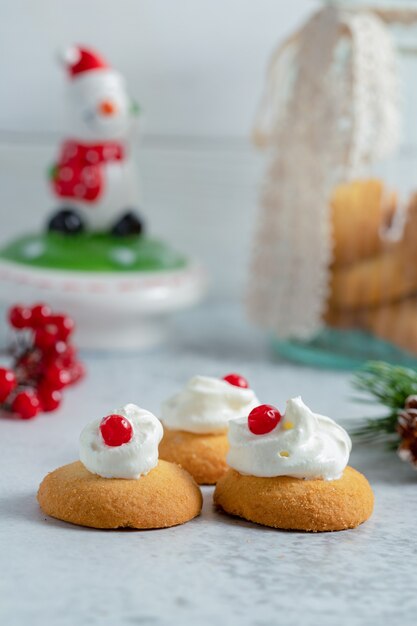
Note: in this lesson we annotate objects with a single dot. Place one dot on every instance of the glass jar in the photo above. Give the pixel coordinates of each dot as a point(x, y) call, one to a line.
point(367, 242)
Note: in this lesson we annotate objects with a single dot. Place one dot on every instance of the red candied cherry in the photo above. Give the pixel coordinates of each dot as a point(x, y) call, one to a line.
point(41, 314)
point(20, 316)
point(50, 399)
point(46, 338)
point(262, 419)
point(57, 376)
point(64, 324)
point(7, 383)
point(237, 380)
point(26, 404)
point(116, 430)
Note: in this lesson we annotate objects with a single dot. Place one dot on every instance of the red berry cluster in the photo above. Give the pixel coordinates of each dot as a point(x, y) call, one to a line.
point(44, 361)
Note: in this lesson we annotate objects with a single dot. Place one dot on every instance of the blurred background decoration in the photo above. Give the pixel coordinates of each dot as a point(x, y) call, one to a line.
point(94, 257)
point(334, 275)
point(347, 232)
point(195, 67)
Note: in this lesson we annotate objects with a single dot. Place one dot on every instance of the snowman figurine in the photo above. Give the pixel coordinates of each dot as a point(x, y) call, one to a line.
point(94, 179)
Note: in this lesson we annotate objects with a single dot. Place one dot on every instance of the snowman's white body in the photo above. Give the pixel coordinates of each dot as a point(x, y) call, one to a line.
point(88, 125)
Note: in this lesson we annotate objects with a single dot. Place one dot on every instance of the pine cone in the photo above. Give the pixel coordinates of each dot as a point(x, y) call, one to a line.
point(407, 429)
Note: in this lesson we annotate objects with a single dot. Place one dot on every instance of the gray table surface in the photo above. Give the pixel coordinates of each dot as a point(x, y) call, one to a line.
point(214, 569)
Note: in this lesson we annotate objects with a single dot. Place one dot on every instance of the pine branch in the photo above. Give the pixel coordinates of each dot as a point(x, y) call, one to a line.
point(385, 384)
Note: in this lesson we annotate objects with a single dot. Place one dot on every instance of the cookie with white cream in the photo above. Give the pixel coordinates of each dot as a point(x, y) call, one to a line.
point(207, 404)
point(196, 420)
point(302, 444)
point(123, 444)
point(119, 481)
point(290, 471)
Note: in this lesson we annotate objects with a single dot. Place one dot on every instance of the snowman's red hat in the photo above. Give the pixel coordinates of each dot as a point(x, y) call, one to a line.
point(78, 59)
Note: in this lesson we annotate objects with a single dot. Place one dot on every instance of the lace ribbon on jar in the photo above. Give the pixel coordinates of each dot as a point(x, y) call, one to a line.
point(330, 108)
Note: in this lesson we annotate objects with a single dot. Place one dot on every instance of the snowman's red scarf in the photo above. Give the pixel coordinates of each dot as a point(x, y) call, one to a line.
point(78, 173)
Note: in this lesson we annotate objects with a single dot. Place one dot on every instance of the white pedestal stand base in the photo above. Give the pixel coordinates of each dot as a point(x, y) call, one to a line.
point(112, 311)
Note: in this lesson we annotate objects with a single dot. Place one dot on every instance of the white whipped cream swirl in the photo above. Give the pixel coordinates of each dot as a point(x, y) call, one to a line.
point(303, 445)
point(130, 460)
point(206, 405)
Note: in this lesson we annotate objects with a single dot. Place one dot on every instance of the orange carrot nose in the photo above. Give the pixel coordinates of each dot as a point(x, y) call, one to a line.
point(107, 107)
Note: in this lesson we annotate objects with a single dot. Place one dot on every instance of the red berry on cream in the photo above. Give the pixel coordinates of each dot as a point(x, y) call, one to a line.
point(116, 430)
point(237, 380)
point(264, 418)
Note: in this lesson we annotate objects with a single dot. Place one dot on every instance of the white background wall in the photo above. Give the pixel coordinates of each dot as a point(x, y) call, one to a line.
point(196, 67)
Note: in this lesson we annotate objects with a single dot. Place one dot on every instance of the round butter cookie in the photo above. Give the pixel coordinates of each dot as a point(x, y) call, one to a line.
point(196, 421)
point(294, 504)
point(119, 481)
point(290, 471)
point(165, 497)
point(203, 456)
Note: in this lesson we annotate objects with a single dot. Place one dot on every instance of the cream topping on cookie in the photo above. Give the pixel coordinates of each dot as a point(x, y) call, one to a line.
point(206, 405)
point(132, 459)
point(303, 445)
